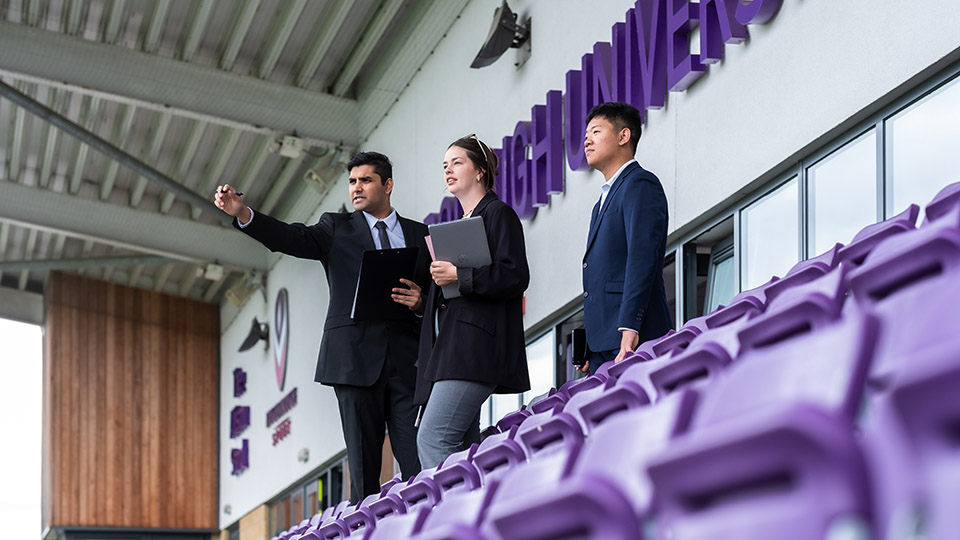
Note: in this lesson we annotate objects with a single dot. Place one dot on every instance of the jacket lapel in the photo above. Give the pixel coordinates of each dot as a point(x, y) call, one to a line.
point(595, 223)
point(362, 230)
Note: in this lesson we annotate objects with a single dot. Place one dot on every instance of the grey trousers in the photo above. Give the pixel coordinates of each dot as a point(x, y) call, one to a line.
point(451, 419)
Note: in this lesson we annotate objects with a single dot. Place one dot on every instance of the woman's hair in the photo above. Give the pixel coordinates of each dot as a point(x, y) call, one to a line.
point(482, 156)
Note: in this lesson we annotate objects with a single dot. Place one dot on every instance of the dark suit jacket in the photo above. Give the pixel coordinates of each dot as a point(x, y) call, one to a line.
point(623, 263)
point(350, 352)
point(481, 333)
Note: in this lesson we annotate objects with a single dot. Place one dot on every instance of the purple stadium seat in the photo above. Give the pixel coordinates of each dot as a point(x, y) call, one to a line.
point(911, 282)
point(694, 365)
point(390, 483)
point(512, 419)
point(389, 503)
point(458, 475)
point(315, 520)
point(827, 367)
point(805, 271)
point(541, 397)
point(498, 454)
point(399, 526)
point(458, 516)
point(645, 349)
point(771, 452)
point(696, 324)
point(332, 529)
point(789, 473)
point(748, 303)
point(606, 495)
point(808, 308)
point(575, 386)
point(553, 402)
point(946, 200)
point(532, 480)
point(613, 370)
point(463, 455)
point(327, 512)
point(675, 342)
point(546, 431)
point(726, 336)
point(854, 253)
point(421, 490)
point(918, 435)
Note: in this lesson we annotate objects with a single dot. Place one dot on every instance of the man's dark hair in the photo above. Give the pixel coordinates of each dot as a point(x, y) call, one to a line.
point(381, 164)
point(621, 115)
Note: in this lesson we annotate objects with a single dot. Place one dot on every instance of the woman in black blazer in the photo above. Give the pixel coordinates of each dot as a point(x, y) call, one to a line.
point(472, 346)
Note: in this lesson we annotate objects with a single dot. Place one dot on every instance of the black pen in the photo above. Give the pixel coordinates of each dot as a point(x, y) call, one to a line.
point(239, 193)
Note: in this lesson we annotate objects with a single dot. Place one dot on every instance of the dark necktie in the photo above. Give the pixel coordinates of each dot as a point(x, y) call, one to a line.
point(384, 239)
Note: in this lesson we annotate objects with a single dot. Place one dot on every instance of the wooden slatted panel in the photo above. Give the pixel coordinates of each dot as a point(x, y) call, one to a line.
point(132, 389)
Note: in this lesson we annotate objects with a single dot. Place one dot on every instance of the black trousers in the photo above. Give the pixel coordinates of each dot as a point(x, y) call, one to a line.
point(365, 412)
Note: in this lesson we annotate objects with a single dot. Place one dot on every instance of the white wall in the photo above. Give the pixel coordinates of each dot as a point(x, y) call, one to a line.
point(812, 71)
point(813, 68)
point(315, 422)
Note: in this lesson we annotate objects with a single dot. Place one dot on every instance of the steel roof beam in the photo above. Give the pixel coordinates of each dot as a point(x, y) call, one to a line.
point(172, 86)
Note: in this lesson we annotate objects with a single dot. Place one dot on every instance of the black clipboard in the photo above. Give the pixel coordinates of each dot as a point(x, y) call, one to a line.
point(380, 272)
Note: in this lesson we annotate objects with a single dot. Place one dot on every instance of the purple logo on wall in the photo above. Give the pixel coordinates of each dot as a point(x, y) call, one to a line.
point(647, 56)
point(281, 336)
point(239, 382)
point(239, 420)
point(240, 457)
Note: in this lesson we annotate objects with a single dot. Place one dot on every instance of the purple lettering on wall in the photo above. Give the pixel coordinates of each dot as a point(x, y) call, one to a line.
point(239, 420)
point(757, 11)
point(574, 126)
point(240, 458)
point(602, 85)
point(239, 382)
point(648, 55)
point(281, 431)
point(718, 25)
point(684, 68)
point(627, 85)
point(647, 50)
point(547, 156)
point(521, 182)
point(288, 402)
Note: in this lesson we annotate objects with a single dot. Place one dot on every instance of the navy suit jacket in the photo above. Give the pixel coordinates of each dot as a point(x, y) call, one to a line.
point(351, 352)
point(623, 262)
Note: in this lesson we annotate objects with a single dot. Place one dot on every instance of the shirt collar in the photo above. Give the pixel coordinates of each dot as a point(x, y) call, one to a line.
point(390, 220)
point(609, 183)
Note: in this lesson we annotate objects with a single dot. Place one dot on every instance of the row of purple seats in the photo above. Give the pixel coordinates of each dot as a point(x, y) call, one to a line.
point(819, 405)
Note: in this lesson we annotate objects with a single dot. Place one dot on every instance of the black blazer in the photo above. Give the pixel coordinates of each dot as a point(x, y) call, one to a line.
point(623, 262)
point(481, 333)
point(350, 352)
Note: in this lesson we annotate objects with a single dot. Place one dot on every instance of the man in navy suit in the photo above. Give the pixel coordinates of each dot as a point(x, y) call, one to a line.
point(624, 302)
point(369, 364)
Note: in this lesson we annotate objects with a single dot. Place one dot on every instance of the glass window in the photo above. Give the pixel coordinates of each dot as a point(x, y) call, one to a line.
point(504, 404)
point(771, 235)
point(842, 193)
point(922, 143)
point(721, 279)
point(296, 507)
point(540, 362)
point(485, 419)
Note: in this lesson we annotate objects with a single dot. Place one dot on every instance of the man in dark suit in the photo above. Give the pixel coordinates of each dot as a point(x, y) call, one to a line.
point(624, 302)
point(369, 364)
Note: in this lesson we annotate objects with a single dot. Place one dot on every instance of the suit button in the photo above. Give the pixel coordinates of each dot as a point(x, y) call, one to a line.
point(585, 294)
point(443, 307)
point(584, 265)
